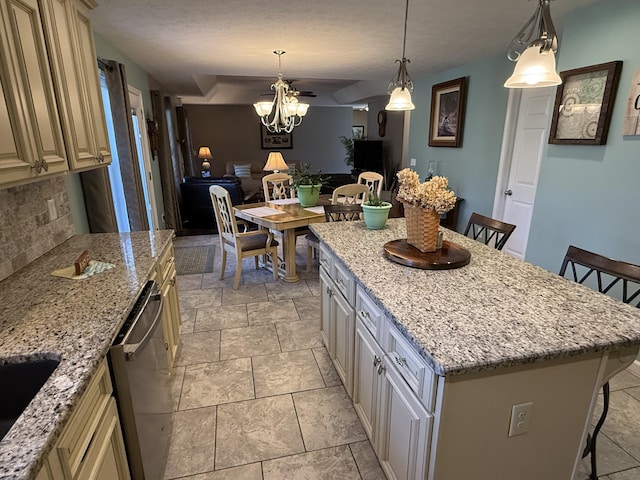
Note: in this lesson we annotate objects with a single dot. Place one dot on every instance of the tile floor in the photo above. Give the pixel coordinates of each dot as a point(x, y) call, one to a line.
point(256, 396)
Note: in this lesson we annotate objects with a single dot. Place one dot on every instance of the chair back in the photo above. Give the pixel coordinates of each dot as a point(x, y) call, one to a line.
point(588, 267)
point(350, 194)
point(342, 213)
point(226, 220)
point(373, 180)
point(489, 231)
point(280, 184)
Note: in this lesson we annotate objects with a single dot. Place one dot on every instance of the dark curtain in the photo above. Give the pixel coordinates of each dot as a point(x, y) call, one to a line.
point(95, 183)
point(184, 138)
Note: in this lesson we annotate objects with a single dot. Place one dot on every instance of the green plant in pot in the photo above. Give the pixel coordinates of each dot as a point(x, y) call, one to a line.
point(375, 212)
point(308, 185)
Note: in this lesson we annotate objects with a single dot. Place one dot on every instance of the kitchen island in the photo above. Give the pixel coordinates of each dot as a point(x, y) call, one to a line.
point(495, 334)
point(74, 321)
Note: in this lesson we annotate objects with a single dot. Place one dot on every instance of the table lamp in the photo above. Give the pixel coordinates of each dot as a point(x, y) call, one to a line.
point(205, 154)
point(275, 163)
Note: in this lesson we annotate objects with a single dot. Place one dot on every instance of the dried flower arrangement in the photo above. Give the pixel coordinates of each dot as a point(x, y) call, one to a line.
point(433, 194)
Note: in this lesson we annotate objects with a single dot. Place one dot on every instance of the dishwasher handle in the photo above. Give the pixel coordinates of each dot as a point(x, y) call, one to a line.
point(154, 302)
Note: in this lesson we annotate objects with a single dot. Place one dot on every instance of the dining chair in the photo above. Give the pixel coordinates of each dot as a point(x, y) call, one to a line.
point(242, 244)
point(350, 194)
point(489, 231)
point(277, 186)
point(373, 180)
point(608, 276)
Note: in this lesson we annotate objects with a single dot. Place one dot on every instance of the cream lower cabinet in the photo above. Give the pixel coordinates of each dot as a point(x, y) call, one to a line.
point(166, 278)
point(91, 446)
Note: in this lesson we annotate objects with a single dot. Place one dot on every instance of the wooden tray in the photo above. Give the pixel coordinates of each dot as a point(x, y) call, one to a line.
point(451, 255)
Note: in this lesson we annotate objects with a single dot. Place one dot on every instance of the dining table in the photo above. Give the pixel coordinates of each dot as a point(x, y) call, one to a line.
point(285, 216)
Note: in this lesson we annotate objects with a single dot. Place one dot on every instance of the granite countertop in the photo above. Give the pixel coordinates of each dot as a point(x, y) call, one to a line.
point(43, 316)
point(496, 311)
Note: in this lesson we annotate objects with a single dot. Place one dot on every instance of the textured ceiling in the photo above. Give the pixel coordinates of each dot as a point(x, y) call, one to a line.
point(221, 51)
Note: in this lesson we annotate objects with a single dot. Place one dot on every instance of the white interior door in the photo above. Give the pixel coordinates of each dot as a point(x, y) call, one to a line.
point(525, 137)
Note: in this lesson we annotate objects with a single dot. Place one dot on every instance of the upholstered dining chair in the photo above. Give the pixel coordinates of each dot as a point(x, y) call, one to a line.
point(488, 230)
point(277, 186)
point(242, 244)
point(350, 194)
point(607, 276)
point(373, 180)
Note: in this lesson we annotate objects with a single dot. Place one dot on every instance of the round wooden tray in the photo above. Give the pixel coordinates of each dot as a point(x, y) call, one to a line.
point(451, 255)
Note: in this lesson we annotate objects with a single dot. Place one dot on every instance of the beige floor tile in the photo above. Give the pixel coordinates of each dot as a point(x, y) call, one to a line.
point(285, 373)
point(624, 379)
point(177, 378)
point(308, 308)
point(189, 282)
point(248, 341)
point(272, 312)
point(192, 299)
point(220, 318)
point(212, 280)
point(244, 294)
point(623, 414)
point(257, 430)
point(202, 347)
point(216, 383)
point(245, 472)
point(367, 461)
point(633, 474)
point(192, 443)
point(314, 285)
point(188, 321)
point(251, 276)
point(283, 290)
point(327, 418)
point(299, 335)
point(634, 392)
point(610, 458)
point(328, 371)
point(329, 464)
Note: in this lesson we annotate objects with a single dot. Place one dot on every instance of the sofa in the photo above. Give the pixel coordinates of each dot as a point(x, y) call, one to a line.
point(197, 209)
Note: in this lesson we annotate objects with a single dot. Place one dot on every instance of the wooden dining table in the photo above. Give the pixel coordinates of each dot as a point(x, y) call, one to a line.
point(285, 216)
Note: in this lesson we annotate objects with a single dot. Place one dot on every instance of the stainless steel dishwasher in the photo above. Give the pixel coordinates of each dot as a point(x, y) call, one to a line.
point(140, 373)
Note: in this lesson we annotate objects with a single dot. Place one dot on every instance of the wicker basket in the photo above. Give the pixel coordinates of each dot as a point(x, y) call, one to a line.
point(422, 227)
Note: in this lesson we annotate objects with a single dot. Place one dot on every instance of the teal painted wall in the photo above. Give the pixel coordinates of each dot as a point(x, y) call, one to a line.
point(589, 196)
point(473, 168)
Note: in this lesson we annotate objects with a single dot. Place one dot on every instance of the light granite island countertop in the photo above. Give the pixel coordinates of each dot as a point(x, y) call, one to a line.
point(43, 316)
point(496, 311)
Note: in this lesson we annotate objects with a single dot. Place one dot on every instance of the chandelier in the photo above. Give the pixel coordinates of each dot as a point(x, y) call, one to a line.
point(534, 48)
point(285, 111)
point(401, 86)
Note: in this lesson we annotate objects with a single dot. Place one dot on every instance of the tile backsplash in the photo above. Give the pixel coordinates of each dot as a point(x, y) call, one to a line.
point(26, 228)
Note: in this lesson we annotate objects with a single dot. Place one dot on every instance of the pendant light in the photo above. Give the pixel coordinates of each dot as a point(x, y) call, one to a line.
point(401, 86)
point(534, 49)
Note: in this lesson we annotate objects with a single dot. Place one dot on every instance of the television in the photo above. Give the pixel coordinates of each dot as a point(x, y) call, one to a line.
point(367, 155)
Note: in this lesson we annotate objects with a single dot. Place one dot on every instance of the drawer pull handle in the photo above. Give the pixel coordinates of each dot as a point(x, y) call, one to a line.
point(364, 314)
point(400, 361)
point(340, 281)
point(376, 360)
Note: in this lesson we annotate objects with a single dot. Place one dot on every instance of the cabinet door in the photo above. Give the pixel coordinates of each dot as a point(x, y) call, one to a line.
point(366, 379)
point(343, 329)
point(325, 312)
point(404, 428)
point(29, 119)
point(76, 84)
point(172, 306)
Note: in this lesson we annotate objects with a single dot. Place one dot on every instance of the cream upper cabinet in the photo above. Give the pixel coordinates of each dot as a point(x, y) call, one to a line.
point(32, 145)
point(77, 82)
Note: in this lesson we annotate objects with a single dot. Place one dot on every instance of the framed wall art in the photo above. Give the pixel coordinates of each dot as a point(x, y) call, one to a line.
point(275, 141)
point(447, 113)
point(632, 115)
point(358, 131)
point(584, 103)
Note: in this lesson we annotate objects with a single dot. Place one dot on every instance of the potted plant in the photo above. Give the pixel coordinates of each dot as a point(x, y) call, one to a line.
point(375, 212)
point(308, 185)
point(347, 143)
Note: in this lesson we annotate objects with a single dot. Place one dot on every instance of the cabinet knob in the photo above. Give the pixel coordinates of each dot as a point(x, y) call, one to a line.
point(376, 360)
point(381, 369)
point(400, 361)
point(364, 314)
point(40, 165)
point(172, 282)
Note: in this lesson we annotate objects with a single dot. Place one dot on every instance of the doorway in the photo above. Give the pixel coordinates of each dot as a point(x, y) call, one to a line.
point(523, 144)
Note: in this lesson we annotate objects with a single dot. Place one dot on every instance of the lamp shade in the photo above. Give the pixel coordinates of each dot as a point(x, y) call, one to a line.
point(204, 152)
point(534, 69)
point(400, 100)
point(275, 163)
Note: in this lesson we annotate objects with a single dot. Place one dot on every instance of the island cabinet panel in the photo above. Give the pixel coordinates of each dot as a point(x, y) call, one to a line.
point(32, 145)
point(166, 278)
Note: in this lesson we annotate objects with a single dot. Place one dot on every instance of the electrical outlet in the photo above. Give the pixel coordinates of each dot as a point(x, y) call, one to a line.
point(52, 209)
point(520, 419)
point(412, 162)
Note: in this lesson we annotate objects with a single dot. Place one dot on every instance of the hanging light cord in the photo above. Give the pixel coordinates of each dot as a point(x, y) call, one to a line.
point(404, 38)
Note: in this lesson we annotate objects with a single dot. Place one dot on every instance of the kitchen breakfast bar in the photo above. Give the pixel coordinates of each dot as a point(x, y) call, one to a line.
point(491, 370)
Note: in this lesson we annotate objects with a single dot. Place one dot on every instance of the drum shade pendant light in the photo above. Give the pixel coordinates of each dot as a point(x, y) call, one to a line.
point(401, 86)
point(534, 49)
point(285, 111)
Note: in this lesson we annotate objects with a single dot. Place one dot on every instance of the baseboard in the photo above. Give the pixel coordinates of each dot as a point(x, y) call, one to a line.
point(635, 368)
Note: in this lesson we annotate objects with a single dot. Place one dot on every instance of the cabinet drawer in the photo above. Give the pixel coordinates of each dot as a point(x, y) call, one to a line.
point(326, 259)
point(370, 314)
point(415, 371)
point(344, 281)
point(78, 433)
point(164, 263)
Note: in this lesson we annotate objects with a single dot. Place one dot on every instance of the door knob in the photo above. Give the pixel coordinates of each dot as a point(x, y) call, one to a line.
point(508, 192)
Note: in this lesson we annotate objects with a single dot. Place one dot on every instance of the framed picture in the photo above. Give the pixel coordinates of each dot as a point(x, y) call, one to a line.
point(584, 103)
point(275, 141)
point(447, 113)
point(358, 131)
